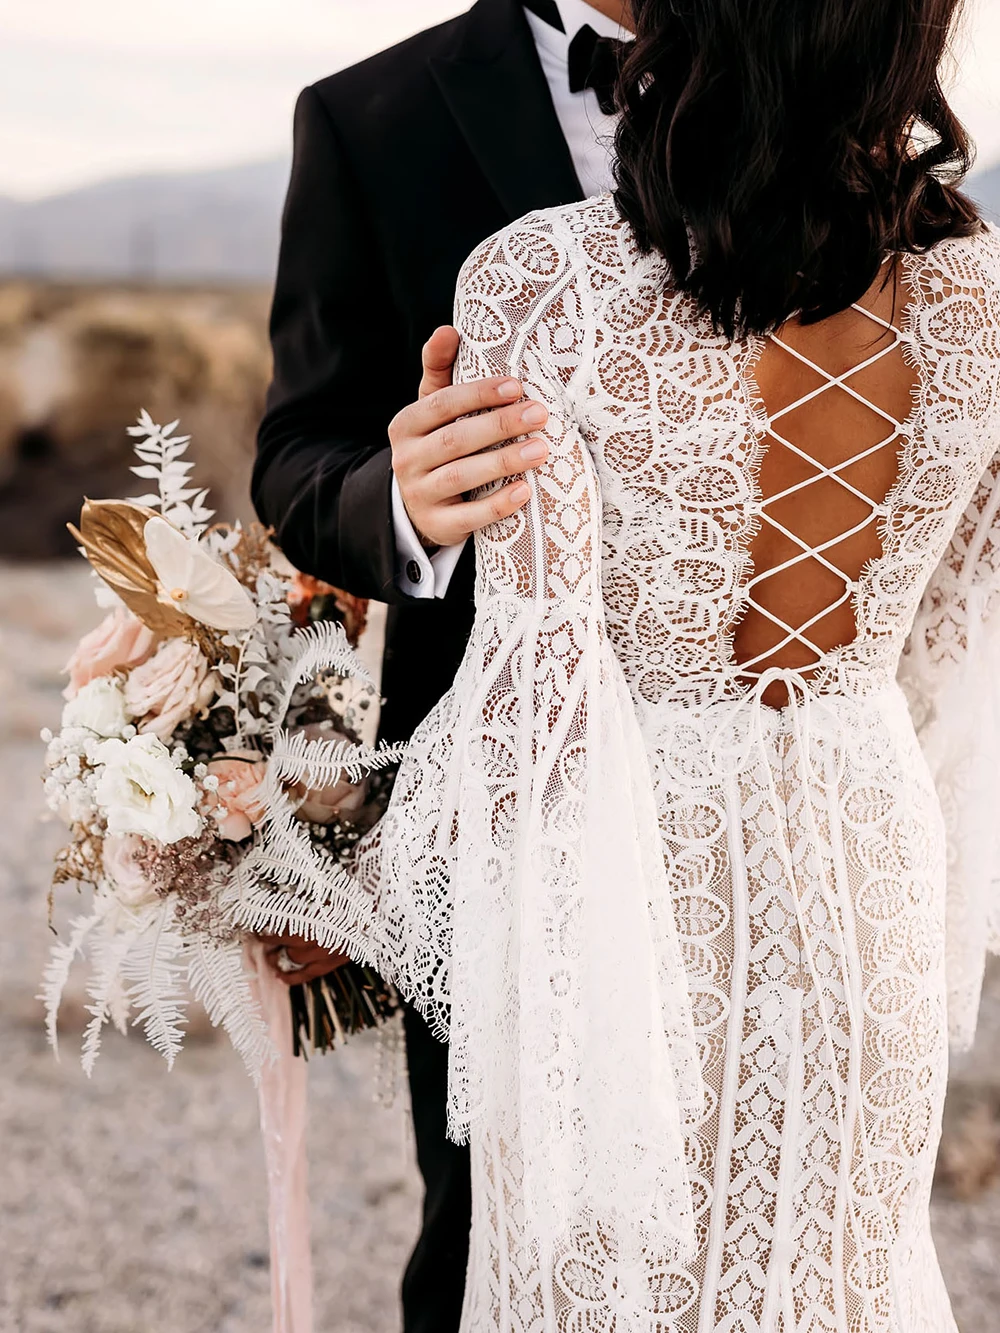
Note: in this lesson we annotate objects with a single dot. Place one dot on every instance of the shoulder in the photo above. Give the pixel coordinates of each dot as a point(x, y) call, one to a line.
point(553, 245)
point(954, 325)
point(956, 306)
point(525, 301)
point(962, 265)
point(390, 81)
point(985, 252)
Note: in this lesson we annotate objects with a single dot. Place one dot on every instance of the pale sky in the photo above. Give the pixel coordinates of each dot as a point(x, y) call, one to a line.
point(97, 88)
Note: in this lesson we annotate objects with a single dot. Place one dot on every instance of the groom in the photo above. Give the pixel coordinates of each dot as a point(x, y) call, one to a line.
point(402, 165)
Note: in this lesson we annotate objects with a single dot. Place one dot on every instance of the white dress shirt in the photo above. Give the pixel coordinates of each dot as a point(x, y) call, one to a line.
point(589, 134)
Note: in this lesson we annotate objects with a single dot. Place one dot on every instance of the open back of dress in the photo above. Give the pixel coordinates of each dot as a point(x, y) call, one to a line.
point(836, 397)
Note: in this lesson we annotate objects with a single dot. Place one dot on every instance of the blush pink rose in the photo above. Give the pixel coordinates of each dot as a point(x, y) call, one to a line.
point(121, 856)
point(172, 686)
point(119, 642)
point(236, 804)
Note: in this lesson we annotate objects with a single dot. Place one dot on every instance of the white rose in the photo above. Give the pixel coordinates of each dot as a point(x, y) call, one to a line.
point(98, 707)
point(141, 790)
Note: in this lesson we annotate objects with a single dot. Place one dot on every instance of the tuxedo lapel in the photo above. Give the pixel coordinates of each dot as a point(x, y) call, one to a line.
point(494, 87)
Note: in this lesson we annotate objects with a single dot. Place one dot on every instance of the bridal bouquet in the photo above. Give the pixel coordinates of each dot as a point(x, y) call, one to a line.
point(210, 769)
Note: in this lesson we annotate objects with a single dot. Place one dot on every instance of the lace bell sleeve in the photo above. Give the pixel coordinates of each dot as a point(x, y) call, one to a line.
point(950, 673)
point(523, 902)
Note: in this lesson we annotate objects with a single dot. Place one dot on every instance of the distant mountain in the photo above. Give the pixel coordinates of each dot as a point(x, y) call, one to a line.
point(984, 187)
point(206, 225)
point(199, 226)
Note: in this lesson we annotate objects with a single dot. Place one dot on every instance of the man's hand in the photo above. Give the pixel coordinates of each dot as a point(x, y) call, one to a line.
point(437, 458)
point(312, 959)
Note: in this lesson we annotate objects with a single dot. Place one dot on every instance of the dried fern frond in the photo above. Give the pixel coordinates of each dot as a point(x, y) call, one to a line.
point(106, 987)
point(57, 970)
point(155, 970)
point(218, 979)
point(321, 648)
point(322, 763)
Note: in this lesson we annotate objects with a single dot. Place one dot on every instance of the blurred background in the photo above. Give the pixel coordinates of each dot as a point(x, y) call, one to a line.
point(144, 151)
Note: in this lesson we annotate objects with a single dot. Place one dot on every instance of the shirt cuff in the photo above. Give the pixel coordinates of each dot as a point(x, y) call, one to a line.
point(418, 573)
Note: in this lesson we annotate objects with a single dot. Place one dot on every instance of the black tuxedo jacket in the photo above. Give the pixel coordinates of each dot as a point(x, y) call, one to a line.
point(402, 165)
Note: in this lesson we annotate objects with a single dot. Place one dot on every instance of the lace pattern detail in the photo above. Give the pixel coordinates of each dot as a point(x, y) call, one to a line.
point(645, 907)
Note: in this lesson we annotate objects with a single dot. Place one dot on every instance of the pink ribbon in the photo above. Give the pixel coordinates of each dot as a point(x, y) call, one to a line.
point(282, 1095)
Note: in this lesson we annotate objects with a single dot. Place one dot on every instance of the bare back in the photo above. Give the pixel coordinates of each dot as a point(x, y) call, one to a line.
point(836, 396)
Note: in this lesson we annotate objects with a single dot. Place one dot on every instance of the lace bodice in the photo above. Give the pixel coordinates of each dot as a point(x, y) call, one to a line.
point(695, 956)
point(635, 370)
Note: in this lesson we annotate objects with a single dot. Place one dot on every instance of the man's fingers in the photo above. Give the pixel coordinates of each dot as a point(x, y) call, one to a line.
point(444, 446)
point(474, 434)
point(304, 975)
point(419, 458)
point(439, 355)
point(445, 406)
point(465, 517)
point(273, 943)
point(305, 953)
point(491, 508)
point(456, 478)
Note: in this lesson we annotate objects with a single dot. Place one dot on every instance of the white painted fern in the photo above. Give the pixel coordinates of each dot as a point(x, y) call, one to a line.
point(321, 648)
point(322, 763)
point(218, 980)
point(107, 986)
point(287, 885)
point(57, 970)
point(143, 963)
point(155, 971)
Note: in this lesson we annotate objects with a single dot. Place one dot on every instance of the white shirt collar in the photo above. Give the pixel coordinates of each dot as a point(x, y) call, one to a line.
point(576, 14)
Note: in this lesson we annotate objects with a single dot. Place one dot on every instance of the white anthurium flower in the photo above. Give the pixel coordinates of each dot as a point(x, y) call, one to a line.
point(192, 582)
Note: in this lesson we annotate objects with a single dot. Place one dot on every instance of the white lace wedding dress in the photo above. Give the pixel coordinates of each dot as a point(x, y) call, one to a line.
point(697, 956)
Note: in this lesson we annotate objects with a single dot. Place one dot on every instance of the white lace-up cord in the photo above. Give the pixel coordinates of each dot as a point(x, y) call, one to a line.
point(877, 509)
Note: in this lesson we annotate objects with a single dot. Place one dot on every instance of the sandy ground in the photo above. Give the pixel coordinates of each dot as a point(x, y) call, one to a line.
point(134, 1202)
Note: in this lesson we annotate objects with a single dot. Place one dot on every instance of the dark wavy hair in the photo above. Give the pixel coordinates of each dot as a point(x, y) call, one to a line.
point(775, 151)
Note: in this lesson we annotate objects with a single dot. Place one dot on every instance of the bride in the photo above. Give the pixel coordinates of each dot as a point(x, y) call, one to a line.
point(692, 866)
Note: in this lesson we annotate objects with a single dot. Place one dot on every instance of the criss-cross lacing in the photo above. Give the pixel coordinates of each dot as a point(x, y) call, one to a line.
point(876, 508)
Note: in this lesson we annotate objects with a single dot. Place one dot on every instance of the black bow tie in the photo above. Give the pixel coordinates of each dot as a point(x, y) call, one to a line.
point(595, 62)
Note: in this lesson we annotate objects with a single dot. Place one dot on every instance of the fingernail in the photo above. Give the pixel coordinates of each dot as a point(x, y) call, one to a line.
point(534, 415)
point(509, 389)
point(532, 452)
point(520, 493)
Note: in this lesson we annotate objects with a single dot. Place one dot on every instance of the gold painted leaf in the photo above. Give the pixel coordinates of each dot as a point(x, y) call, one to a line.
point(111, 534)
